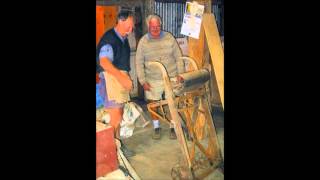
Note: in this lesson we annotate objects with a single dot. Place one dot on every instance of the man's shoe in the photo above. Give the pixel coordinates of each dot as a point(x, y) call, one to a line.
point(126, 152)
point(156, 133)
point(172, 134)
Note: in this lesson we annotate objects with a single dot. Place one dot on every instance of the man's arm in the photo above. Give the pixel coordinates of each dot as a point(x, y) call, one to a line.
point(140, 66)
point(140, 63)
point(123, 78)
point(106, 57)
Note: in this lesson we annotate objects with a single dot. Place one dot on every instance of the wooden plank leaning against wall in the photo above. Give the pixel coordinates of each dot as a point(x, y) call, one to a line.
point(216, 51)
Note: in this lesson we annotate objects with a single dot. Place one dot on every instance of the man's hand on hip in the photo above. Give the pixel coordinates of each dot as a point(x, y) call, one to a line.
point(146, 86)
point(126, 81)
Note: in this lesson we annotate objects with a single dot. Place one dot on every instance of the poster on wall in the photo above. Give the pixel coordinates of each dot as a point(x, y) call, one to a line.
point(192, 19)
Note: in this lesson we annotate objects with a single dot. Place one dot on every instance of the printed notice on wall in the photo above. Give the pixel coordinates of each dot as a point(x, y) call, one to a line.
point(192, 20)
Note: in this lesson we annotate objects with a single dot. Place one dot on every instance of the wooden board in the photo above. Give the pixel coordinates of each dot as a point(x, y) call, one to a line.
point(216, 51)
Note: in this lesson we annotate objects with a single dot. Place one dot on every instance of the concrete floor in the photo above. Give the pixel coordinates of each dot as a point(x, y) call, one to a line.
point(155, 158)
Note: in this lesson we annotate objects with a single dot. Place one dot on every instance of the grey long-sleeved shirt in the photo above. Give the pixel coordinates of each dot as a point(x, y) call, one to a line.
point(165, 50)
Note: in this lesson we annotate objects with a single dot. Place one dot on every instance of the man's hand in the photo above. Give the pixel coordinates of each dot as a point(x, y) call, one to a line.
point(122, 77)
point(180, 79)
point(125, 81)
point(146, 86)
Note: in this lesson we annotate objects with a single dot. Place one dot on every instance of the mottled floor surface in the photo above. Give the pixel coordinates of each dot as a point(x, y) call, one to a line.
point(155, 158)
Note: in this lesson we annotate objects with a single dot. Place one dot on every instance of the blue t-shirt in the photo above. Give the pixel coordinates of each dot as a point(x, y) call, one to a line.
point(107, 51)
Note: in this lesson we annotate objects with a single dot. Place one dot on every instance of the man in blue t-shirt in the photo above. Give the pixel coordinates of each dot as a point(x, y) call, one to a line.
point(113, 56)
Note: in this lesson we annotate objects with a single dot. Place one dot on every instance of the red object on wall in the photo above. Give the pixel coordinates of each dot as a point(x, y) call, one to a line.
point(106, 153)
point(99, 22)
point(97, 78)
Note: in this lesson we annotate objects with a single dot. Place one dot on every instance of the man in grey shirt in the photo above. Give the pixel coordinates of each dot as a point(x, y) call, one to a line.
point(160, 46)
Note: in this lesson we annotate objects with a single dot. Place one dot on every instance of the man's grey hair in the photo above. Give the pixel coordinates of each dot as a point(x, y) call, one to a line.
point(153, 16)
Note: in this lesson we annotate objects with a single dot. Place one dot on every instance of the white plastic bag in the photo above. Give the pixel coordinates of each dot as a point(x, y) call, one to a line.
point(130, 114)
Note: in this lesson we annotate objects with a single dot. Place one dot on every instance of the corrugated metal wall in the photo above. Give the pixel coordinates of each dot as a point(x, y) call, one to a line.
point(218, 13)
point(172, 15)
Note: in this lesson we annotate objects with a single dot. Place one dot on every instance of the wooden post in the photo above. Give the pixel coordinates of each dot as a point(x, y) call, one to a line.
point(148, 9)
